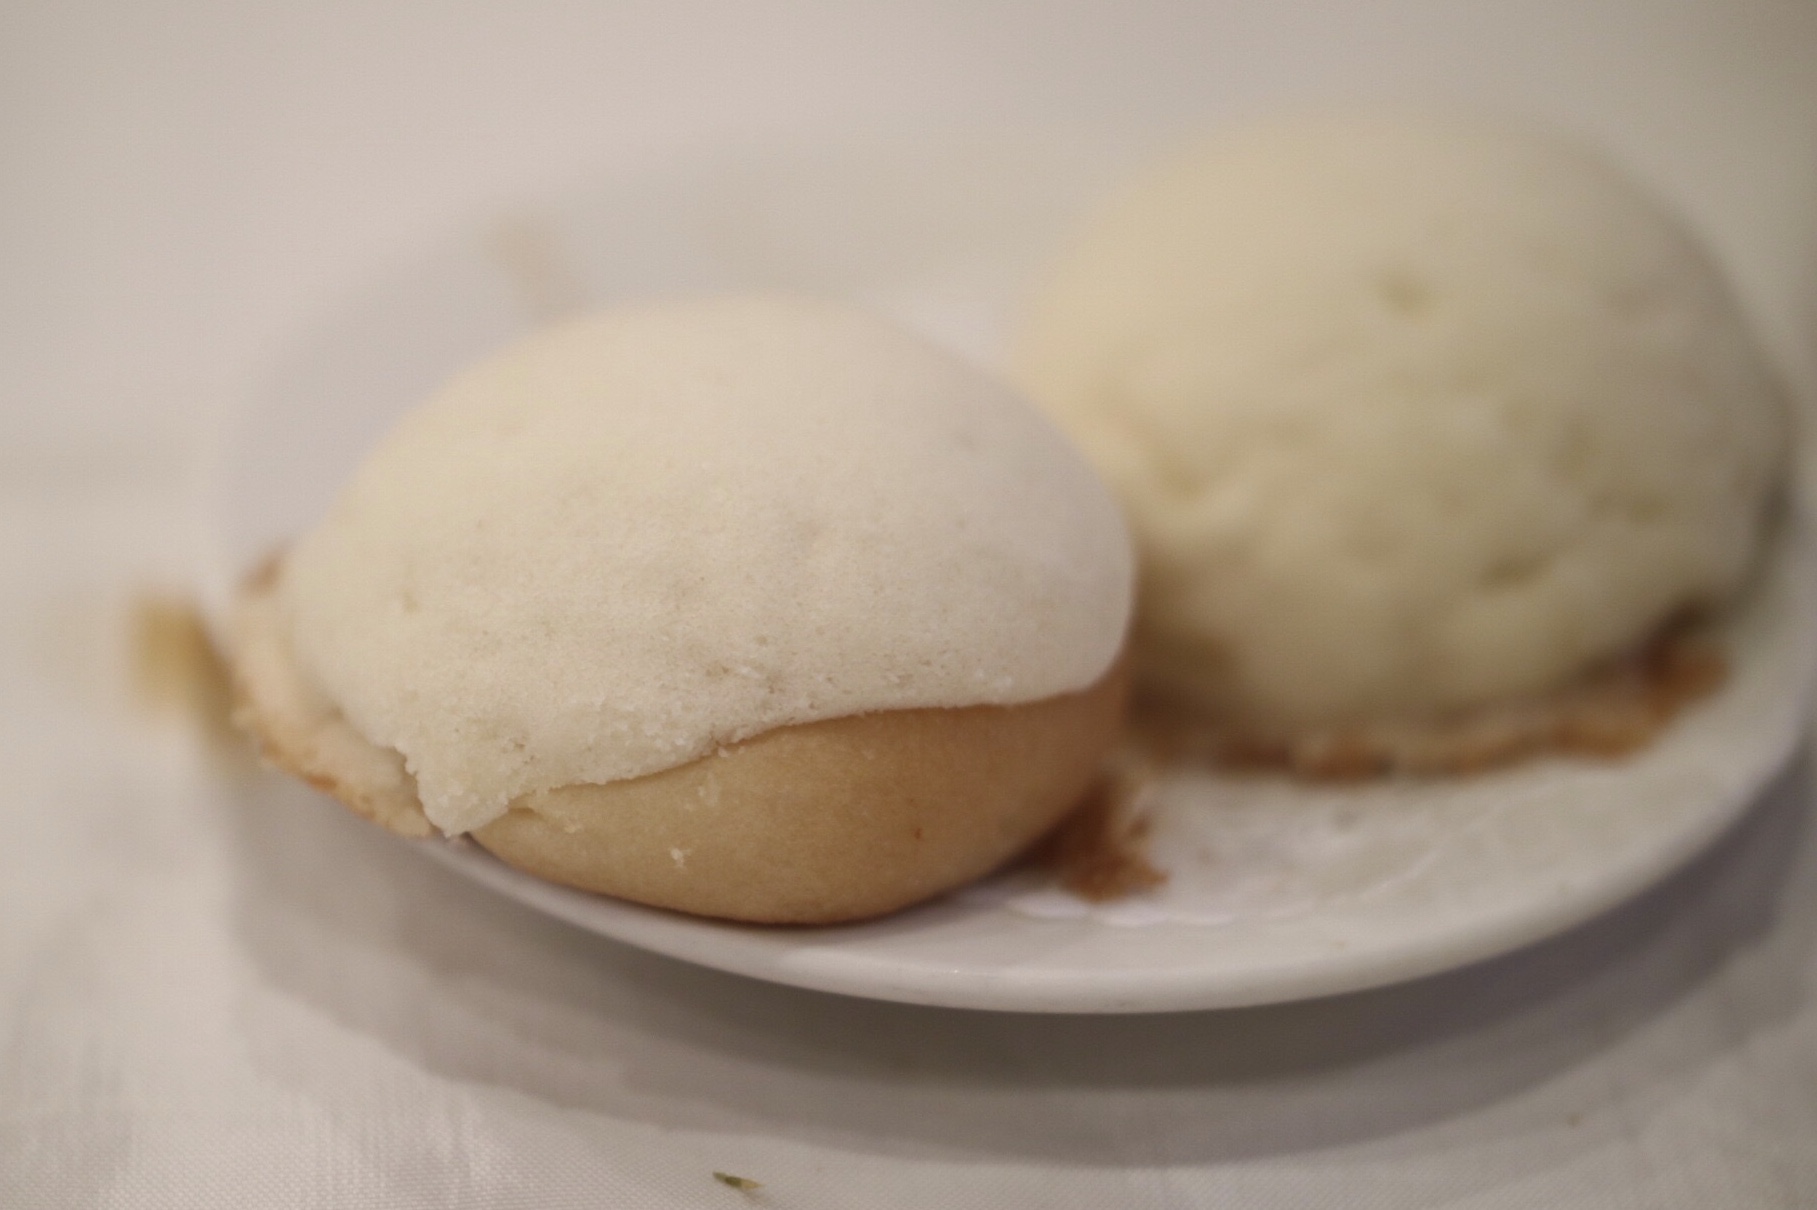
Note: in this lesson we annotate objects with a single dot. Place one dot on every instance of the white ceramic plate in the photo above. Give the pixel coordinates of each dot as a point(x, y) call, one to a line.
point(1277, 891)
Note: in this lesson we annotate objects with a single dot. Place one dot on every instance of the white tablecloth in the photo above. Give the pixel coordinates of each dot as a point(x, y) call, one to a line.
point(222, 992)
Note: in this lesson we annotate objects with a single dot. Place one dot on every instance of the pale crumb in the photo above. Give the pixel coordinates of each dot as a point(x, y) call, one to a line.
point(679, 857)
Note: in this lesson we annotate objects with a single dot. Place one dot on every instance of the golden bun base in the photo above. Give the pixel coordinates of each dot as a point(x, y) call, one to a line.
point(818, 823)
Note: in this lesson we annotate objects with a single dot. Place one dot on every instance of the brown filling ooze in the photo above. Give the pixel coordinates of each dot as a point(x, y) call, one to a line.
point(1612, 710)
point(1097, 851)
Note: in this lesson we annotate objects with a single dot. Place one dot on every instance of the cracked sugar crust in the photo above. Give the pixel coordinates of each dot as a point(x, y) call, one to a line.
point(815, 823)
point(641, 535)
point(300, 731)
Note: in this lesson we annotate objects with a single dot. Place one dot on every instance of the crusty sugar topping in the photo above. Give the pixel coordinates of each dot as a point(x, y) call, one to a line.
point(634, 537)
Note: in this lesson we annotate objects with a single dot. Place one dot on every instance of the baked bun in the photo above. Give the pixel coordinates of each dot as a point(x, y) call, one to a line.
point(753, 608)
point(814, 823)
point(1410, 415)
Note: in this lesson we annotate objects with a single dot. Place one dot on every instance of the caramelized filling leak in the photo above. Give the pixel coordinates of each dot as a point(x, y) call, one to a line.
point(1612, 711)
point(175, 670)
point(1096, 852)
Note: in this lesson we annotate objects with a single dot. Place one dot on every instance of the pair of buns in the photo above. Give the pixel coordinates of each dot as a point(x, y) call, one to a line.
point(1429, 433)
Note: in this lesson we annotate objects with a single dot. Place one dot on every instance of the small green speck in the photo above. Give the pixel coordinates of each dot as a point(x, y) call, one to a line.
point(743, 1184)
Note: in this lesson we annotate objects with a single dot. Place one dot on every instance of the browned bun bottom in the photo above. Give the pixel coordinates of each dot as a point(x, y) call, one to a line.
point(823, 821)
point(817, 823)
